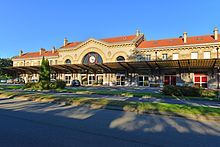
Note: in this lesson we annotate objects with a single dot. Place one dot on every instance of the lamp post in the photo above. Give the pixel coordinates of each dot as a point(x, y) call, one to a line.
point(217, 70)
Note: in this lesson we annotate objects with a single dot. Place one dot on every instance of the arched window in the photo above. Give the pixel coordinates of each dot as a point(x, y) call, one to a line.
point(120, 59)
point(92, 58)
point(67, 61)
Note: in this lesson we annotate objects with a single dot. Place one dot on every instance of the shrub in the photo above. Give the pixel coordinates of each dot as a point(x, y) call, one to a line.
point(45, 85)
point(57, 84)
point(188, 91)
point(209, 93)
point(28, 85)
point(171, 90)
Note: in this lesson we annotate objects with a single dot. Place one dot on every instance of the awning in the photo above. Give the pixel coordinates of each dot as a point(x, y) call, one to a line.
point(131, 67)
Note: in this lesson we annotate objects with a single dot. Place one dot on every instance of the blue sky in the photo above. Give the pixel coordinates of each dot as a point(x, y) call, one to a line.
point(33, 24)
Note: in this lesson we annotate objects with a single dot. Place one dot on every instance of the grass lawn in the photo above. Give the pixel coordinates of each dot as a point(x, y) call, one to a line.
point(142, 107)
point(115, 92)
point(8, 87)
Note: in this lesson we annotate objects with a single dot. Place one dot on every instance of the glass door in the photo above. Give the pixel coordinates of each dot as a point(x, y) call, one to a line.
point(120, 80)
point(143, 81)
point(91, 80)
point(67, 79)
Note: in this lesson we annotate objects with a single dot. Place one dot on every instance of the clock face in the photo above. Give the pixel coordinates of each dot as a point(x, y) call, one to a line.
point(92, 59)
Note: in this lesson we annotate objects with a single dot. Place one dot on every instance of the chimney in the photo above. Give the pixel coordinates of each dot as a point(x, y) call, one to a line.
point(185, 37)
point(138, 32)
point(65, 42)
point(216, 33)
point(53, 50)
point(42, 50)
point(21, 53)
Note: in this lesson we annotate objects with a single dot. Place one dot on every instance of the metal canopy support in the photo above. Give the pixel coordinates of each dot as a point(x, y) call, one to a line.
point(189, 65)
point(123, 66)
point(134, 66)
point(103, 68)
point(179, 66)
point(83, 68)
point(71, 70)
point(129, 65)
point(109, 68)
point(89, 67)
point(148, 64)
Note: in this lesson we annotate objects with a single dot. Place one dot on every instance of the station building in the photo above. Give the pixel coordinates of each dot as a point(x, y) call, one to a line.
point(129, 61)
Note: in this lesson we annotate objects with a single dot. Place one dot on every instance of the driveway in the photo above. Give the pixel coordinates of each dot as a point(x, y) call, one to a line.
point(27, 123)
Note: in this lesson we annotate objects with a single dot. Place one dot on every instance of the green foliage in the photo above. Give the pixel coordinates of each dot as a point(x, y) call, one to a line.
point(209, 93)
point(171, 90)
point(188, 91)
point(58, 84)
point(5, 63)
point(44, 85)
point(44, 75)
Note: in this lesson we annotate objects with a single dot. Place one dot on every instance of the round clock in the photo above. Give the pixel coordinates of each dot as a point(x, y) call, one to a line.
point(92, 59)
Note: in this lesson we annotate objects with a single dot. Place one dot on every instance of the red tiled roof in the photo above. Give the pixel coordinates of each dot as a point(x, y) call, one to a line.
point(71, 44)
point(109, 40)
point(37, 54)
point(179, 41)
point(119, 39)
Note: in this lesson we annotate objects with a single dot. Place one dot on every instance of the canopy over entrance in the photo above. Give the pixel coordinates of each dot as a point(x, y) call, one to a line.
point(188, 65)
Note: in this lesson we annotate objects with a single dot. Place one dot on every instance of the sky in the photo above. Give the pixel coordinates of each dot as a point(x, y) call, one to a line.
point(29, 25)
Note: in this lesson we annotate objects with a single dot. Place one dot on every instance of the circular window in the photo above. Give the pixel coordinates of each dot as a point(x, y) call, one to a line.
point(120, 59)
point(67, 61)
point(92, 58)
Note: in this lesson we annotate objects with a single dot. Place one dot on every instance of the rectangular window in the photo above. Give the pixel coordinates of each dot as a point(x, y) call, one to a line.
point(194, 55)
point(148, 57)
point(201, 80)
point(164, 57)
point(51, 62)
point(140, 58)
point(207, 55)
point(55, 62)
point(91, 79)
point(67, 79)
point(175, 56)
point(120, 80)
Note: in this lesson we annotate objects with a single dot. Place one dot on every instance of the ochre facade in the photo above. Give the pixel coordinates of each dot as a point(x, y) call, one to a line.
point(126, 49)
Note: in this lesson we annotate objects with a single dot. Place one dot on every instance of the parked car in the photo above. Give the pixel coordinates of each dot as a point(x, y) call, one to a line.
point(10, 81)
point(34, 80)
point(19, 81)
point(3, 81)
point(52, 80)
point(75, 83)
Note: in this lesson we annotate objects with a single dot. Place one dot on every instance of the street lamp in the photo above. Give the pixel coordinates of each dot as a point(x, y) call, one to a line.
point(217, 70)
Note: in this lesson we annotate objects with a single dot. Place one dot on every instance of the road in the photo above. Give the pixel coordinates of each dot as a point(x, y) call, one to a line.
point(34, 124)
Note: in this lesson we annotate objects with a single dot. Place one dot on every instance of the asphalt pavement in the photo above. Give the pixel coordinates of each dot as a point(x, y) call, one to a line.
point(34, 124)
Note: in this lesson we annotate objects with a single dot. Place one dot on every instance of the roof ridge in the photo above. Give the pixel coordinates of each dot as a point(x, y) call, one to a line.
point(179, 37)
point(118, 36)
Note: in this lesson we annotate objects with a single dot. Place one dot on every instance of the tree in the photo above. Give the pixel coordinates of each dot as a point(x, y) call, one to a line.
point(44, 75)
point(4, 63)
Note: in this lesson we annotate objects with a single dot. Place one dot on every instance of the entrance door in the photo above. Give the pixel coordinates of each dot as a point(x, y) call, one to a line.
point(143, 81)
point(170, 80)
point(201, 80)
point(95, 79)
point(67, 79)
point(120, 80)
point(91, 80)
point(100, 79)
